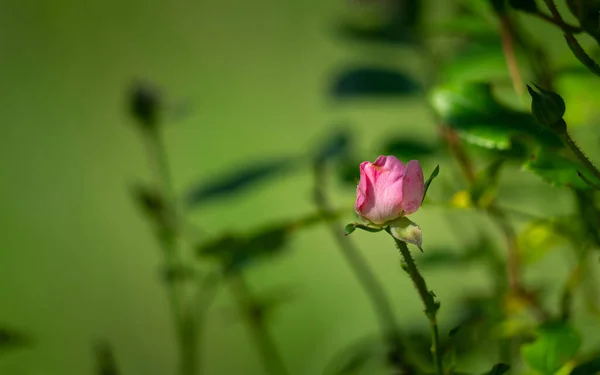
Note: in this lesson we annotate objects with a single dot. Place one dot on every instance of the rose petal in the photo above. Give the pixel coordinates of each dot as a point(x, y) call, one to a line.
point(383, 191)
point(413, 187)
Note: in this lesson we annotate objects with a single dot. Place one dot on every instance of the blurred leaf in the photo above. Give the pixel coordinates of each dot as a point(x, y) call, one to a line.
point(237, 251)
point(373, 82)
point(467, 25)
point(591, 367)
point(498, 369)
point(10, 339)
point(483, 190)
point(238, 180)
point(528, 6)
point(558, 170)
point(557, 343)
point(536, 240)
point(481, 60)
point(335, 145)
point(387, 22)
point(406, 149)
point(105, 360)
point(348, 172)
point(471, 109)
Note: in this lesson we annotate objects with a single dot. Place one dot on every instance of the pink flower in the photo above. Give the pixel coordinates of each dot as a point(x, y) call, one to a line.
point(388, 190)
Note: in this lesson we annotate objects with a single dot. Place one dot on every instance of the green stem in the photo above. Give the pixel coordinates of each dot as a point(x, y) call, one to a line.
point(365, 276)
point(580, 155)
point(185, 322)
point(254, 315)
point(431, 306)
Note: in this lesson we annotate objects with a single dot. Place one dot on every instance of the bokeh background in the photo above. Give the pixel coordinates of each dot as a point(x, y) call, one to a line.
point(244, 82)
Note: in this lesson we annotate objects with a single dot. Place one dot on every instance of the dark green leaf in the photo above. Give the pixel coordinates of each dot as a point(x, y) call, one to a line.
point(499, 369)
point(481, 60)
point(433, 175)
point(145, 104)
point(237, 251)
point(348, 172)
point(591, 367)
point(373, 82)
point(386, 22)
point(10, 339)
point(558, 170)
point(348, 229)
point(454, 331)
point(105, 360)
point(557, 343)
point(581, 55)
point(238, 180)
point(528, 6)
point(408, 149)
point(480, 119)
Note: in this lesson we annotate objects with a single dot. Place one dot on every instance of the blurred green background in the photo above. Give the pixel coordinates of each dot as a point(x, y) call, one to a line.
point(247, 81)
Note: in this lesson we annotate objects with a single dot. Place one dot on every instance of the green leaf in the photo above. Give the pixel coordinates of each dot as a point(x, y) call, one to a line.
point(558, 170)
point(499, 369)
point(557, 343)
point(10, 339)
point(105, 360)
point(586, 11)
point(434, 174)
point(472, 110)
point(528, 6)
point(581, 55)
point(481, 60)
point(591, 367)
point(237, 180)
point(382, 22)
point(366, 82)
point(406, 149)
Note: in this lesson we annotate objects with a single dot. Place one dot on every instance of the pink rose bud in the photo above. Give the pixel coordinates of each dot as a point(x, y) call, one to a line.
point(388, 190)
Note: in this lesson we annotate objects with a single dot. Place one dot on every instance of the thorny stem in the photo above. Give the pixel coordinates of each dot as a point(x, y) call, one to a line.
point(255, 317)
point(580, 155)
point(431, 306)
point(364, 275)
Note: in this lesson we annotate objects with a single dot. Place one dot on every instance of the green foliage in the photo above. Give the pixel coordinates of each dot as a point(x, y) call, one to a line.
point(12, 339)
point(557, 343)
point(472, 110)
point(528, 6)
point(383, 22)
point(235, 251)
point(106, 363)
point(335, 146)
point(499, 369)
point(590, 367)
point(558, 170)
point(238, 180)
point(586, 11)
point(365, 82)
point(408, 148)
